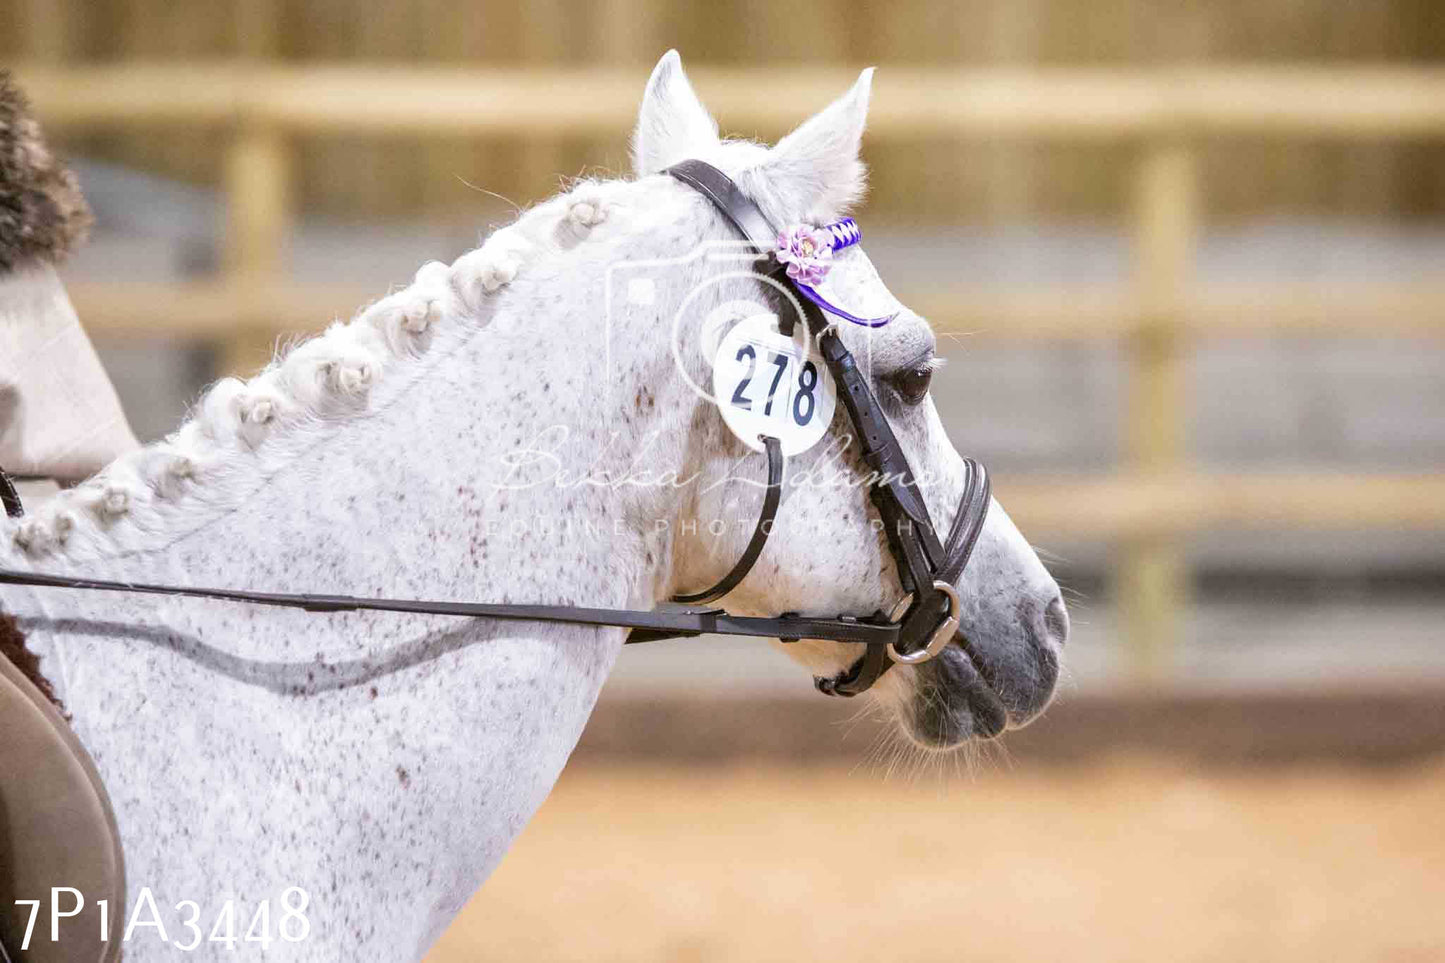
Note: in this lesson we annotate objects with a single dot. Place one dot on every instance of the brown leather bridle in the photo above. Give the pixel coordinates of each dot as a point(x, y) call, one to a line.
point(920, 626)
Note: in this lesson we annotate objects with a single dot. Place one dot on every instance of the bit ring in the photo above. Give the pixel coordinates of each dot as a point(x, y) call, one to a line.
point(941, 635)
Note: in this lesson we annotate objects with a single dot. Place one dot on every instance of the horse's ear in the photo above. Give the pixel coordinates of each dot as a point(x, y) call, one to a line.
point(673, 125)
point(815, 173)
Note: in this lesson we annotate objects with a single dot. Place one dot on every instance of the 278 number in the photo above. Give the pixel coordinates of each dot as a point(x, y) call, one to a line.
point(805, 402)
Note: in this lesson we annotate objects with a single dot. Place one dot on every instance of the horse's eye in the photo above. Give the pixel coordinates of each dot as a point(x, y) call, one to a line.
point(912, 383)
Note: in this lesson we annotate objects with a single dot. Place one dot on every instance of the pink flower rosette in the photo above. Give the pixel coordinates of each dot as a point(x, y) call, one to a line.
point(807, 251)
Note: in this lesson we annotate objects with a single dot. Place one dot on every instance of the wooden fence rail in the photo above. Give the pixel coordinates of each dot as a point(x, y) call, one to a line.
point(1344, 103)
point(1165, 113)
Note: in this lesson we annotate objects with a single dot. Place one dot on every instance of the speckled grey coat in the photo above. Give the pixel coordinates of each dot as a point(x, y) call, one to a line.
point(507, 428)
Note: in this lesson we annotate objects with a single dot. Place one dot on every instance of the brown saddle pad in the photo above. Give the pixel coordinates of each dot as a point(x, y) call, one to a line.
point(56, 829)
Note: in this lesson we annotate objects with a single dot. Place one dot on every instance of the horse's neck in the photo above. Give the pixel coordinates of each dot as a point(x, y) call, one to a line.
point(474, 476)
point(426, 719)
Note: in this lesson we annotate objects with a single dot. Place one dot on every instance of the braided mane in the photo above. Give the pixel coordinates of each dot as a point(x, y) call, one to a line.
point(241, 432)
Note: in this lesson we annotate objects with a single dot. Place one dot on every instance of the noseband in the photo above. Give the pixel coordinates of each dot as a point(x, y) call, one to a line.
point(920, 625)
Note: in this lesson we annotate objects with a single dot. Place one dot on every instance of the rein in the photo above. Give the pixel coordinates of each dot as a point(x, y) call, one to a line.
point(9, 497)
point(918, 628)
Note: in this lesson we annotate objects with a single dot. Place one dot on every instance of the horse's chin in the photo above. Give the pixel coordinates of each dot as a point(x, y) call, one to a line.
point(959, 697)
point(950, 703)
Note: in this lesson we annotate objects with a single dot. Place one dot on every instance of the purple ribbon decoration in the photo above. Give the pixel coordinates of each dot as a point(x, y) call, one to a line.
point(808, 254)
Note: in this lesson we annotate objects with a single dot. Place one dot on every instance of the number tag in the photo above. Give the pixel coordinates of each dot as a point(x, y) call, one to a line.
point(768, 384)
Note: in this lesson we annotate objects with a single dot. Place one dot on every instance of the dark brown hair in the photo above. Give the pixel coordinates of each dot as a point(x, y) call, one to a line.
point(12, 647)
point(42, 213)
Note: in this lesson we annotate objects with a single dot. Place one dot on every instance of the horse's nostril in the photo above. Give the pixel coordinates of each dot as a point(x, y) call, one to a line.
point(1056, 621)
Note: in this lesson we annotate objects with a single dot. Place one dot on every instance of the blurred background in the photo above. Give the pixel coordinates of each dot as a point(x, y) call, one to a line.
point(1188, 266)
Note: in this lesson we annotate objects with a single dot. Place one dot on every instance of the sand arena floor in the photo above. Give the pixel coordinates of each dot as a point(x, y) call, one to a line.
point(1122, 860)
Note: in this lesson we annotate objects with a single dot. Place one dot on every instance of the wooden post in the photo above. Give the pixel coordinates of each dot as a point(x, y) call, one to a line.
point(543, 157)
point(258, 196)
point(258, 29)
point(257, 222)
point(627, 38)
point(46, 28)
point(626, 34)
point(1010, 167)
point(1150, 581)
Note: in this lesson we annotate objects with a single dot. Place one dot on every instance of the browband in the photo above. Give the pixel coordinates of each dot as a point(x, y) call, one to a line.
point(753, 224)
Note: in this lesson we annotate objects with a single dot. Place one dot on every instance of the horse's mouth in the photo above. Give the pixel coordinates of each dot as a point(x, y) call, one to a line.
point(963, 694)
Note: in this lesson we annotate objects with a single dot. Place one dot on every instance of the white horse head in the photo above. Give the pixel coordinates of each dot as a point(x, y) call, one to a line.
point(508, 428)
point(826, 556)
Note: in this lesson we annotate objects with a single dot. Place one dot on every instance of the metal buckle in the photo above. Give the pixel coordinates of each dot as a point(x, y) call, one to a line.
point(941, 635)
